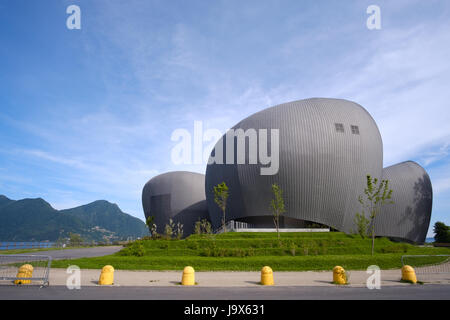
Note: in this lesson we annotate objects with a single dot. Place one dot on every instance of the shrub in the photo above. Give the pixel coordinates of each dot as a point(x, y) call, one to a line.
point(227, 252)
point(75, 239)
point(398, 248)
point(193, 245)
point(305, 251)
point(442, 232)
point(164, 245)
point(133, 249)
point(202, 227)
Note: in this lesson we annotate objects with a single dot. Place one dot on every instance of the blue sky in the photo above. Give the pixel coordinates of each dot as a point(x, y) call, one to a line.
point(88, 114)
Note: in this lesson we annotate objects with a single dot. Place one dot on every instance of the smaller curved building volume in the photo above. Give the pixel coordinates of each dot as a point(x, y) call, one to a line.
point(179, 196)
point(409, 216)
point(326, 148)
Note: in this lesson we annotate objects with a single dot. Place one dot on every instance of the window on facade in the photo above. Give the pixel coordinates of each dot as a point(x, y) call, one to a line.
point(339, 127)
point(355, 129)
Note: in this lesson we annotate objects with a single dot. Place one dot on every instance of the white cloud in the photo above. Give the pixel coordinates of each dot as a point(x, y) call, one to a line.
point(441, 185)
point(437, 154)
point(61, 160)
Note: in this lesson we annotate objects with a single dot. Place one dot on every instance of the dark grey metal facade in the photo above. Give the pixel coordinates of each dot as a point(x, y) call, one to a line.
point(321, 169)
point(326, 149)
point(409, 216)
point(179, 195)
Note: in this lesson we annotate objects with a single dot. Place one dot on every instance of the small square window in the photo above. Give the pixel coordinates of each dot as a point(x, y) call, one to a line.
point(355, 129)
point(339, 127)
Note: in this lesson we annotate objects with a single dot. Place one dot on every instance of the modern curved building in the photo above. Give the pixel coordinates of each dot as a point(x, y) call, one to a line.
point(324, 150)
point(178, 195)
point(409, 216)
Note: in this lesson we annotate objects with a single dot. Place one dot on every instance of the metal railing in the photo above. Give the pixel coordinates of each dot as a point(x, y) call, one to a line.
point(234, 225)
point(428, 264)
point(10, 264)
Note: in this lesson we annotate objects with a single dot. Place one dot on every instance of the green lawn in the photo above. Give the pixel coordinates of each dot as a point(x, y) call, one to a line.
point(252, 251)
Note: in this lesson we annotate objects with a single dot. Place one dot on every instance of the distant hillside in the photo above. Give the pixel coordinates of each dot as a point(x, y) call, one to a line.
point(108, 216)
point(36, 220)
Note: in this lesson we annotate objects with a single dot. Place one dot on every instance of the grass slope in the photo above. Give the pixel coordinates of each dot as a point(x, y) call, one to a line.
point(251, 251)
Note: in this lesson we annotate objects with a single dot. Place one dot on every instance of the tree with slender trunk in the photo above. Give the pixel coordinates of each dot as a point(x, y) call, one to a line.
point(277, 206)
point(376, 194)
point(220, 197)
point(149, 222)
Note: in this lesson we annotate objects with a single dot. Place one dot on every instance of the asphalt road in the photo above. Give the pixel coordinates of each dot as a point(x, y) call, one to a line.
point(413, 292)
point(77, 253)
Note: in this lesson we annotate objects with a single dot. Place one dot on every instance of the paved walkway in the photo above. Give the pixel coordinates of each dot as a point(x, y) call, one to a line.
point(236, 279)
point(77, 253)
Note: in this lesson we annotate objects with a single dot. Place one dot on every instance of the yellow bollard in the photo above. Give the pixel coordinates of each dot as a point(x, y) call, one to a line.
point(188, 278)
point(106, 276)
point(25, 271)
point(267, 276)
point(339, 276)
point(408, 274)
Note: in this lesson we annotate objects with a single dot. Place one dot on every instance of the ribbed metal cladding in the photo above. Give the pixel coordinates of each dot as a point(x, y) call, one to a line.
point(179, 195)
point(321, 171)
point(409, 216)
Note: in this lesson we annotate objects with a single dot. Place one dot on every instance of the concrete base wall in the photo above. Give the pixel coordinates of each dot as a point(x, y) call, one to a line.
point(281, 230)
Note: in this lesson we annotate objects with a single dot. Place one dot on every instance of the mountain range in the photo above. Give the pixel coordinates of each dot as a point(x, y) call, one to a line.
point(37, 220)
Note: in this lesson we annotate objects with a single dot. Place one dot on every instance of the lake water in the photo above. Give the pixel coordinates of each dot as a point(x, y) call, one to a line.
point(25, 245)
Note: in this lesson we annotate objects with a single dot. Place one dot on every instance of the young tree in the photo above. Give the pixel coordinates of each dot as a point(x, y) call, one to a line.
point(154, 232)
point(169, 229)
point(277, 206)
point(206, 226)
point(220, 197)
point(362, 224)
point(377, 193)
point(150, 222)
point(179, 231)
point(198, 227)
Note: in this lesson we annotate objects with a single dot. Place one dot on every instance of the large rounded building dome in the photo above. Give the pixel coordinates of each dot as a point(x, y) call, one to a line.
point(178, 195)
point(326, 149)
